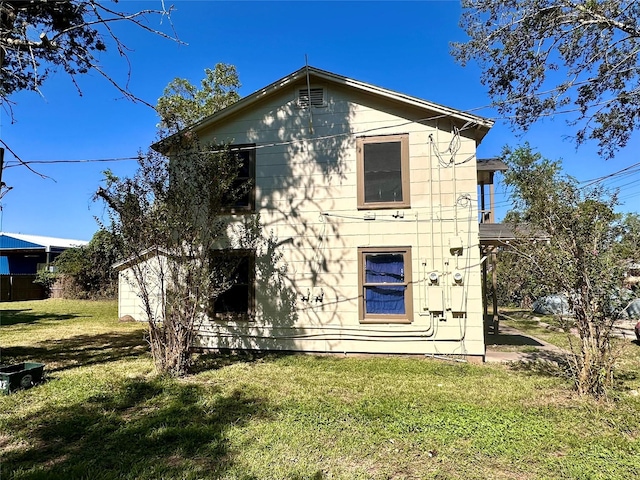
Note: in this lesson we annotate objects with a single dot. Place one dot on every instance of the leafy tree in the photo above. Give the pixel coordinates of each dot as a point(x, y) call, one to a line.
point(543, 57)
point(87, 270)
point(581, 258)
point(629, 245)
point(171, 217)
point(182, 104)
point(46, 279)
point(519, 285)
point(38, 37)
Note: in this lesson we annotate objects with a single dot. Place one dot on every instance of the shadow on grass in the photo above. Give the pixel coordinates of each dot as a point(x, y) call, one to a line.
point(14, 317)
point(81, 350)
point(552, 363)
point(511, 340)
point(623, 377)
point(158, 428)
point(215, 360)
point(520, 312)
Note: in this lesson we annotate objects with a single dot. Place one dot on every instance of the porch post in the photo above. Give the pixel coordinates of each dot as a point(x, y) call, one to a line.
point(494, 282)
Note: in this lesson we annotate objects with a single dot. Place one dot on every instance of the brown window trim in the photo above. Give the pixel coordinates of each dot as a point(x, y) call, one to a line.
point(407, 317)
point(250, 314)
point(404, 166)
point(251, 208)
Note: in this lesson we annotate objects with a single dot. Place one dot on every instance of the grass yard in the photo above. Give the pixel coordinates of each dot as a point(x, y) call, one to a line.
point(627, 351)
point(104, 414)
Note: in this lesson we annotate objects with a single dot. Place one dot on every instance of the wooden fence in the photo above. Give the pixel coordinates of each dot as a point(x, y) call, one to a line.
point(20, 287)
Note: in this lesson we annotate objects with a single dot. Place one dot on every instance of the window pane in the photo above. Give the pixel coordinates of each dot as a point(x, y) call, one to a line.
point(382, 172)
point(244, 161)
point(384, 300)
point(240, 192)
point(230, 266)
point(234, 300)
point(234, 268)
point(384, 268)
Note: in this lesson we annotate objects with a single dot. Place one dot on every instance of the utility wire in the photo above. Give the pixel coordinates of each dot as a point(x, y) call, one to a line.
point(467, 126)
point(22, 162)
point(47, 162)
point(593, 181)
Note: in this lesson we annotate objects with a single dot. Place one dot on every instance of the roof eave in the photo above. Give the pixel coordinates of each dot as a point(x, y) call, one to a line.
point(482, 125)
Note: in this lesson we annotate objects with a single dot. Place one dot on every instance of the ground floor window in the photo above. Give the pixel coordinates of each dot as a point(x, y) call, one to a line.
point(234, 272)
point(385, 284)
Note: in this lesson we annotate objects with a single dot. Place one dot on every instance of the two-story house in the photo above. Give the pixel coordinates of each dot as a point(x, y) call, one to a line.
point(372, 197)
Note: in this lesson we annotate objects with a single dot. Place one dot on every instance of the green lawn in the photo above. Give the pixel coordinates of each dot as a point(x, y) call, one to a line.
point(540, 326)
point(103, 413)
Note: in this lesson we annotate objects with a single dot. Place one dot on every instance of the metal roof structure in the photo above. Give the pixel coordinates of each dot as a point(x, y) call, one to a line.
point(19, 241)
point(495, 233)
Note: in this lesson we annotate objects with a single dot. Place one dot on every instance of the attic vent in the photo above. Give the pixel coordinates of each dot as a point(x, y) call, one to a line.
point(317, 97)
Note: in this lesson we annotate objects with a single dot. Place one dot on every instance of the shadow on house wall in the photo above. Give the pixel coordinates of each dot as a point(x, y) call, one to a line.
point(301, 168)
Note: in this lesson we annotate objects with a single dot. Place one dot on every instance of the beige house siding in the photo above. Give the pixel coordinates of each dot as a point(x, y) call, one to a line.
point(129, 302)
point(129, 298)
point(306, 184)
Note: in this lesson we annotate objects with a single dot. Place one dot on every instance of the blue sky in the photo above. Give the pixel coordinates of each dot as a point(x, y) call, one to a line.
point(402, 46)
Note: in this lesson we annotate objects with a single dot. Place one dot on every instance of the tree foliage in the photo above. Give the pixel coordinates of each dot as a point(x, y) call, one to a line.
point(171, 219)
point(544, 57)
point(173, 214)
point(87, 271)
point(629, 244)
point(580, 257)
point(182, 104)
point(39, 37)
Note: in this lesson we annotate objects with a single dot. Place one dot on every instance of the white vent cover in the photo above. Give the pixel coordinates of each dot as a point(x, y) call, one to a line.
point(316, 94)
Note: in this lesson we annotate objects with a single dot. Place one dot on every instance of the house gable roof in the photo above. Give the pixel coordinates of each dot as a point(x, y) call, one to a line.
point(143, 256)
point(481, 124)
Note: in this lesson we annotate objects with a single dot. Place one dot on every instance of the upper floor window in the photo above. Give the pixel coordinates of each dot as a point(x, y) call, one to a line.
point(242, 195)
point(383, 171)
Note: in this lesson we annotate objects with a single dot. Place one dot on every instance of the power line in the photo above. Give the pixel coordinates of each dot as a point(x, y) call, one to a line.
point(467, 126)
point(93, 160)
point(319, 138)
point(593, 181)
point(20, 162)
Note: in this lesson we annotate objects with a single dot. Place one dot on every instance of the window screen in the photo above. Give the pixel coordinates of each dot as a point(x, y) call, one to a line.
point(385, 282)
point(383, 171)
point(241, 194)
point(235, 268)
point(384, 269)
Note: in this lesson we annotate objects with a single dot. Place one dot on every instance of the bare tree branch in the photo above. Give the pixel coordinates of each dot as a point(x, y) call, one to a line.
point(23, 163)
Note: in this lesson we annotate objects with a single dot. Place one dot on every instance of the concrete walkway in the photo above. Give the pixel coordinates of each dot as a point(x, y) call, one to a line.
point(509, 336)
point(625, 328)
